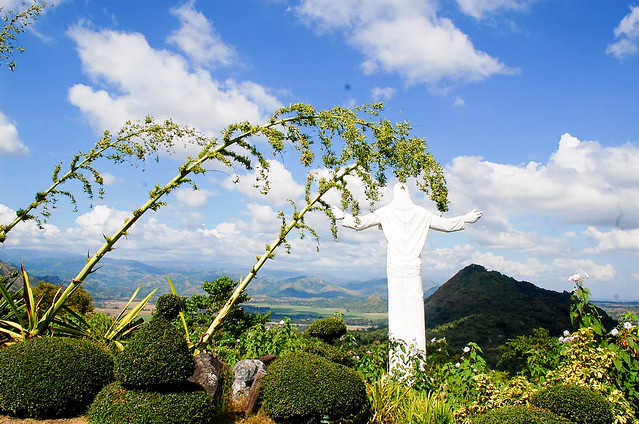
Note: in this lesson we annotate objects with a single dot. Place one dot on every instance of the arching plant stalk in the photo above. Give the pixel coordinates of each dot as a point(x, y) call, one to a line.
point(298, 219)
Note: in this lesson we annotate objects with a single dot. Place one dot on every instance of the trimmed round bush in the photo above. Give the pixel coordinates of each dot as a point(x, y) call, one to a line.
point(577, 403)
point(52, 377)
point(116, 405)
point(328, 329)
point(519, 414)
point(157, 355)
point(169, 306)
point(302, 387)
point(330, 352)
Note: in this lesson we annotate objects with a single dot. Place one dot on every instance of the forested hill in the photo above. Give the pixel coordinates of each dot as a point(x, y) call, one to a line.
point(489, 308)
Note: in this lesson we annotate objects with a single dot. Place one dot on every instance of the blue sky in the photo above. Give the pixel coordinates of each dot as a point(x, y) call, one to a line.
point(531, 106)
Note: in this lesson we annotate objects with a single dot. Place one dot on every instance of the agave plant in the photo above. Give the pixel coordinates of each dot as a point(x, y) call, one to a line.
point(116, 331)
point(21, 318)
point(23, 309)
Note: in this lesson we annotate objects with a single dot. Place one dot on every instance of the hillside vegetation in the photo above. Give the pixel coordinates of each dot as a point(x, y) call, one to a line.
point(489, 308)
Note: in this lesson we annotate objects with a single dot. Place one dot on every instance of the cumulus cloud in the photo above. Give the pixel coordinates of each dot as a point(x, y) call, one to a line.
point(10, 144)
point(615, 240)
point(197, 38)
point(282, 185)
point(627, 34)
point(404, 37)
point(385, 93)
point(192, 198)
point(532, 267)
point(141, 80)
point(480, 8)
point(582, 183)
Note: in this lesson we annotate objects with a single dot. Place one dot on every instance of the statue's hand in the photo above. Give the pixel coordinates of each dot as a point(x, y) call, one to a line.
point(472, 216)
point(339, 214)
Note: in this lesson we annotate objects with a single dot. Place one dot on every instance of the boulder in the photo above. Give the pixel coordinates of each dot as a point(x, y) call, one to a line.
point(244, 373)
point(210, 373)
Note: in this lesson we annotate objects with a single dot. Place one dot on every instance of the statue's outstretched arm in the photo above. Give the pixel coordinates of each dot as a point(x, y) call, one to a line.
point(472, 216)
point(356, 223)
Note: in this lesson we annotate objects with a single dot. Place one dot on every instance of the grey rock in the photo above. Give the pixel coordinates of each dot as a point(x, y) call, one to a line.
point(244, 373)
point(210, 373)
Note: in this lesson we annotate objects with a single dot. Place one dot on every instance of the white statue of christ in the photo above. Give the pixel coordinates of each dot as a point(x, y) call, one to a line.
point(405, 227)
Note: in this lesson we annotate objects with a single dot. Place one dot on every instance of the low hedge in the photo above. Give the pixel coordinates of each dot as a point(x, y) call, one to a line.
point(328, 329)
point(302, 387)
point(52, 377)
point(577, 403)
point(169, 306)
point(116, 405)
point(157, 355)
point(519, 414)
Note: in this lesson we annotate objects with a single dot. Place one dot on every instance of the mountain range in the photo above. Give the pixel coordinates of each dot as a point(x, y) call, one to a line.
point(477, 305)
point(116, 279)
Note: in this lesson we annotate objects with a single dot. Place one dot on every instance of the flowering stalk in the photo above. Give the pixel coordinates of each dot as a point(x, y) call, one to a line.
point(298, 218)
point(582, 312)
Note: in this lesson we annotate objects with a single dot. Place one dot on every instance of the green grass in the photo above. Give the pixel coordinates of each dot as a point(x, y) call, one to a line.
point(300, 314)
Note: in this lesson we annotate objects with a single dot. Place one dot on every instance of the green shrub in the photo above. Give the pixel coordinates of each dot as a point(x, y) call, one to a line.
point(157, 355)
point(519, 414)
point(330, 352)
point(51, 377)
point(328, 329)
point(116, 404)
point(302, 387)
point(169, 306)
point(577, 403)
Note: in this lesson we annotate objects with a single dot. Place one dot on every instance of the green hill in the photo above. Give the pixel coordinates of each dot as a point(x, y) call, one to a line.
point(489, 308)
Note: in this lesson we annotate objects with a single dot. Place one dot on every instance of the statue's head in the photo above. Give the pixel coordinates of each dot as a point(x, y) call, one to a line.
point(401, 196)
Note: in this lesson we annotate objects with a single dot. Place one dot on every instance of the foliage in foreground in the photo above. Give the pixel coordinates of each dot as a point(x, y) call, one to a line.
point(50, 377)
point(328, 329)
point(519, 414)
point(186, 405)
point(303, 387)
point(577, 403)
point(157, 355)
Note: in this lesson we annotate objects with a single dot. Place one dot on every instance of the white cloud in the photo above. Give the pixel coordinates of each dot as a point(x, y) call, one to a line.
point(197, 38)
point(282, 185)
point(627, 33)
point(382, 93)
point(192, 198)
point(101, 220)
point(585, 266)
point(615, 240)
point(141, 80)
point(404, 37)
point(479, 8)
point(110, 179)
point(582, 183)
point(10, 144)
point(518, 270)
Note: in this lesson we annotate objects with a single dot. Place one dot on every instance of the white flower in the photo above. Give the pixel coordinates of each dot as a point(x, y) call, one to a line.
point(574, 278)
point(614, 332)
point(566, 333)
point(627, 325)
point(457, 365)
point(433, 340)
point(282, 322)
point(466, 349)
point(586, 275)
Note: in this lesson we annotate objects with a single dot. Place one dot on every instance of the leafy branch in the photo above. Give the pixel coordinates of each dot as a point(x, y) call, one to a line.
point(14, 24)
point(134, 142)
point(340, 141)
